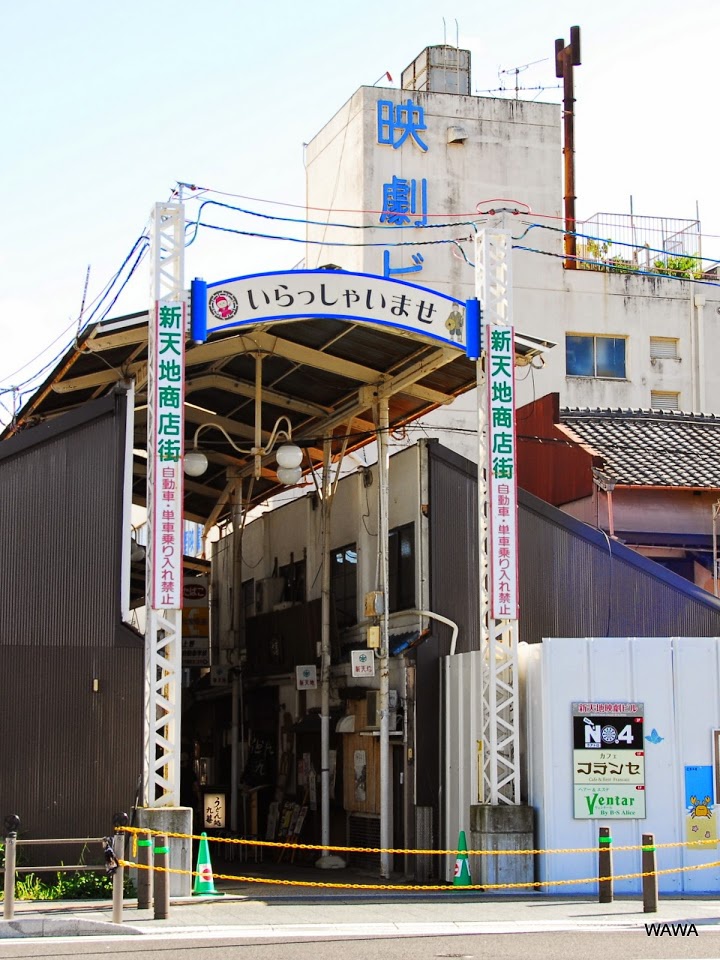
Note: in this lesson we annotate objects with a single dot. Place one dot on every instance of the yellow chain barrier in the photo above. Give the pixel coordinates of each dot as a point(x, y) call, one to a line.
point(420, 887)
point(471, 853)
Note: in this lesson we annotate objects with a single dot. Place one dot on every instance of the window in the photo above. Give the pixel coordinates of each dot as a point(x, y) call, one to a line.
point(248, 598)
point(664, 348)
point(591, 356)
point(401, 558)
point(293, 574)
point(664, 400)
point(343, 584)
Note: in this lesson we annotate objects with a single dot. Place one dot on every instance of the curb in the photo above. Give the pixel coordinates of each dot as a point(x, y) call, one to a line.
point(63, 927)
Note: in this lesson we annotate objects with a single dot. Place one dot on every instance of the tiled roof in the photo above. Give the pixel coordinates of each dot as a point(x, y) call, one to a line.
point(652, 447)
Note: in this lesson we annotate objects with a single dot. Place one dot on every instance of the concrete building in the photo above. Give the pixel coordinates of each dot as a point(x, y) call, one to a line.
point(431, 153)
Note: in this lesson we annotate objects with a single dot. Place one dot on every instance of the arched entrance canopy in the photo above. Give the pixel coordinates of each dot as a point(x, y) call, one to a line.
point(323, 372)
point(325, 293)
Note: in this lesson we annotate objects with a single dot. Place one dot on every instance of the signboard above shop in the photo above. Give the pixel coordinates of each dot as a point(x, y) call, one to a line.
point(608, 760)
point(196, 622)
point(303, 294)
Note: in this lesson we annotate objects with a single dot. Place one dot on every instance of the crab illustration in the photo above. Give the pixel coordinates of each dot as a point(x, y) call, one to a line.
point(700, 809)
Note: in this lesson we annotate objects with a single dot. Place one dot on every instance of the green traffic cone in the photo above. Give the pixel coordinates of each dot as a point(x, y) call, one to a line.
point(204, 883)
point(462, 868)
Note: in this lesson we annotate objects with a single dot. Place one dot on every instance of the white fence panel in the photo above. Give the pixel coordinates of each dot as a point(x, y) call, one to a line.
point(461, 685)
point(678, 681)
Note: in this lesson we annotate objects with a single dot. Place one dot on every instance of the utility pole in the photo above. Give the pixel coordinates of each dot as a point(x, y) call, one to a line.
point(567, 57)
point(383, 431)
point(716, 570)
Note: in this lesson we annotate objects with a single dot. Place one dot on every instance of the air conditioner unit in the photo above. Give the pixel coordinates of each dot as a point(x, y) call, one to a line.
point(268, 592)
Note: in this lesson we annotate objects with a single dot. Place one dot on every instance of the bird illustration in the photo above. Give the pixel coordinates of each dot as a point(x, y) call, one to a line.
point(654, 737)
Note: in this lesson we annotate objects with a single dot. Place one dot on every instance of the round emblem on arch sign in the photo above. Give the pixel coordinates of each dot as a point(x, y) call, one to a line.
point(223, 305)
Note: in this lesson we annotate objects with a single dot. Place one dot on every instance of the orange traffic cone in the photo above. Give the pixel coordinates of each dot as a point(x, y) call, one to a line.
point(462, 868)
point(204, 883)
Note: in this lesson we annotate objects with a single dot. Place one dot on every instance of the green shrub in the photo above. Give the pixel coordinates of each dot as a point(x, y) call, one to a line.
point(75, 885)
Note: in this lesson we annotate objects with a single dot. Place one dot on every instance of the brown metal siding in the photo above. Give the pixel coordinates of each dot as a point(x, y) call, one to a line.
point(453, 548)
point(60, 513)
point(453, 593)
point(549, 464)
point(70, 756)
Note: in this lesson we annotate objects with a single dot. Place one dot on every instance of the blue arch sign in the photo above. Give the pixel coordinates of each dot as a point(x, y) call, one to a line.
point(336, 294)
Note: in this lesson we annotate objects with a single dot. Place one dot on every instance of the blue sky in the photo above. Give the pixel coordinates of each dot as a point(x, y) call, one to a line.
point(107, 106)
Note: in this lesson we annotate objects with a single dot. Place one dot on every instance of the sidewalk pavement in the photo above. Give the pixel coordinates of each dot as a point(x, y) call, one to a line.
point(269, 911)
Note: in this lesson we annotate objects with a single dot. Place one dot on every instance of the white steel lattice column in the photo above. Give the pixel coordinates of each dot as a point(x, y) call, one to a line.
point(499, 638)
point(163, 653)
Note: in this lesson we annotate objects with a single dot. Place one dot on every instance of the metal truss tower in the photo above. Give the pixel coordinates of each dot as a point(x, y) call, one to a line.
point(499, 638)
point(163, 642)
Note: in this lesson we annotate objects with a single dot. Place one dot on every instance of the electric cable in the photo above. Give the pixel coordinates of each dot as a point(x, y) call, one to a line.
point(329, 243)
point(194, 225)
point(96, 303)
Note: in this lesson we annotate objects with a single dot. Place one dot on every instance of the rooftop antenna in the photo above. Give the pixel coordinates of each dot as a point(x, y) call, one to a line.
point(82, 305)
point(457, 61)
point(516, 71)
point(444, 47)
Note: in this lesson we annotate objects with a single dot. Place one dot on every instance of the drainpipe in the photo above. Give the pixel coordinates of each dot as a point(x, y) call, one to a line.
point(693, 357)
point(700, 340)
point(425, 613)
point(325, 654)
point(446, 620)
point(237, 631)
point(327, 861)
point(715, 514)
point(383, 428)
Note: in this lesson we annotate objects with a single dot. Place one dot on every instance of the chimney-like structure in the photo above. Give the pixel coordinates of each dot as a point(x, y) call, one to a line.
point(567, 57)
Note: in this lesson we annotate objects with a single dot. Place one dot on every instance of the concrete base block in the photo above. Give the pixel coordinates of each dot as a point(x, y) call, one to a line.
point(502, 827)
point(173, 820)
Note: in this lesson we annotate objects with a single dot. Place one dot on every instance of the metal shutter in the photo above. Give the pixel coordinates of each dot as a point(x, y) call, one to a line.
point(664, 400)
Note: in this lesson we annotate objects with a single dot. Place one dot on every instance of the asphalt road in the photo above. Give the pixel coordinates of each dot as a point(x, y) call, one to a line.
point(608, 945)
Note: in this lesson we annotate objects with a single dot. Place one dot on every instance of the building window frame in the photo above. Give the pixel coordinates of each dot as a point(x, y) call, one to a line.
point(401, 563)
point(596, 356)
point(294, 573)
point(344, 584)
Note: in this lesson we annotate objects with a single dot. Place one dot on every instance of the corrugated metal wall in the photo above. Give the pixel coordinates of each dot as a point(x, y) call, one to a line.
point(453, 547)
point(60, 514)
point(574, 581)
point(70, 755)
